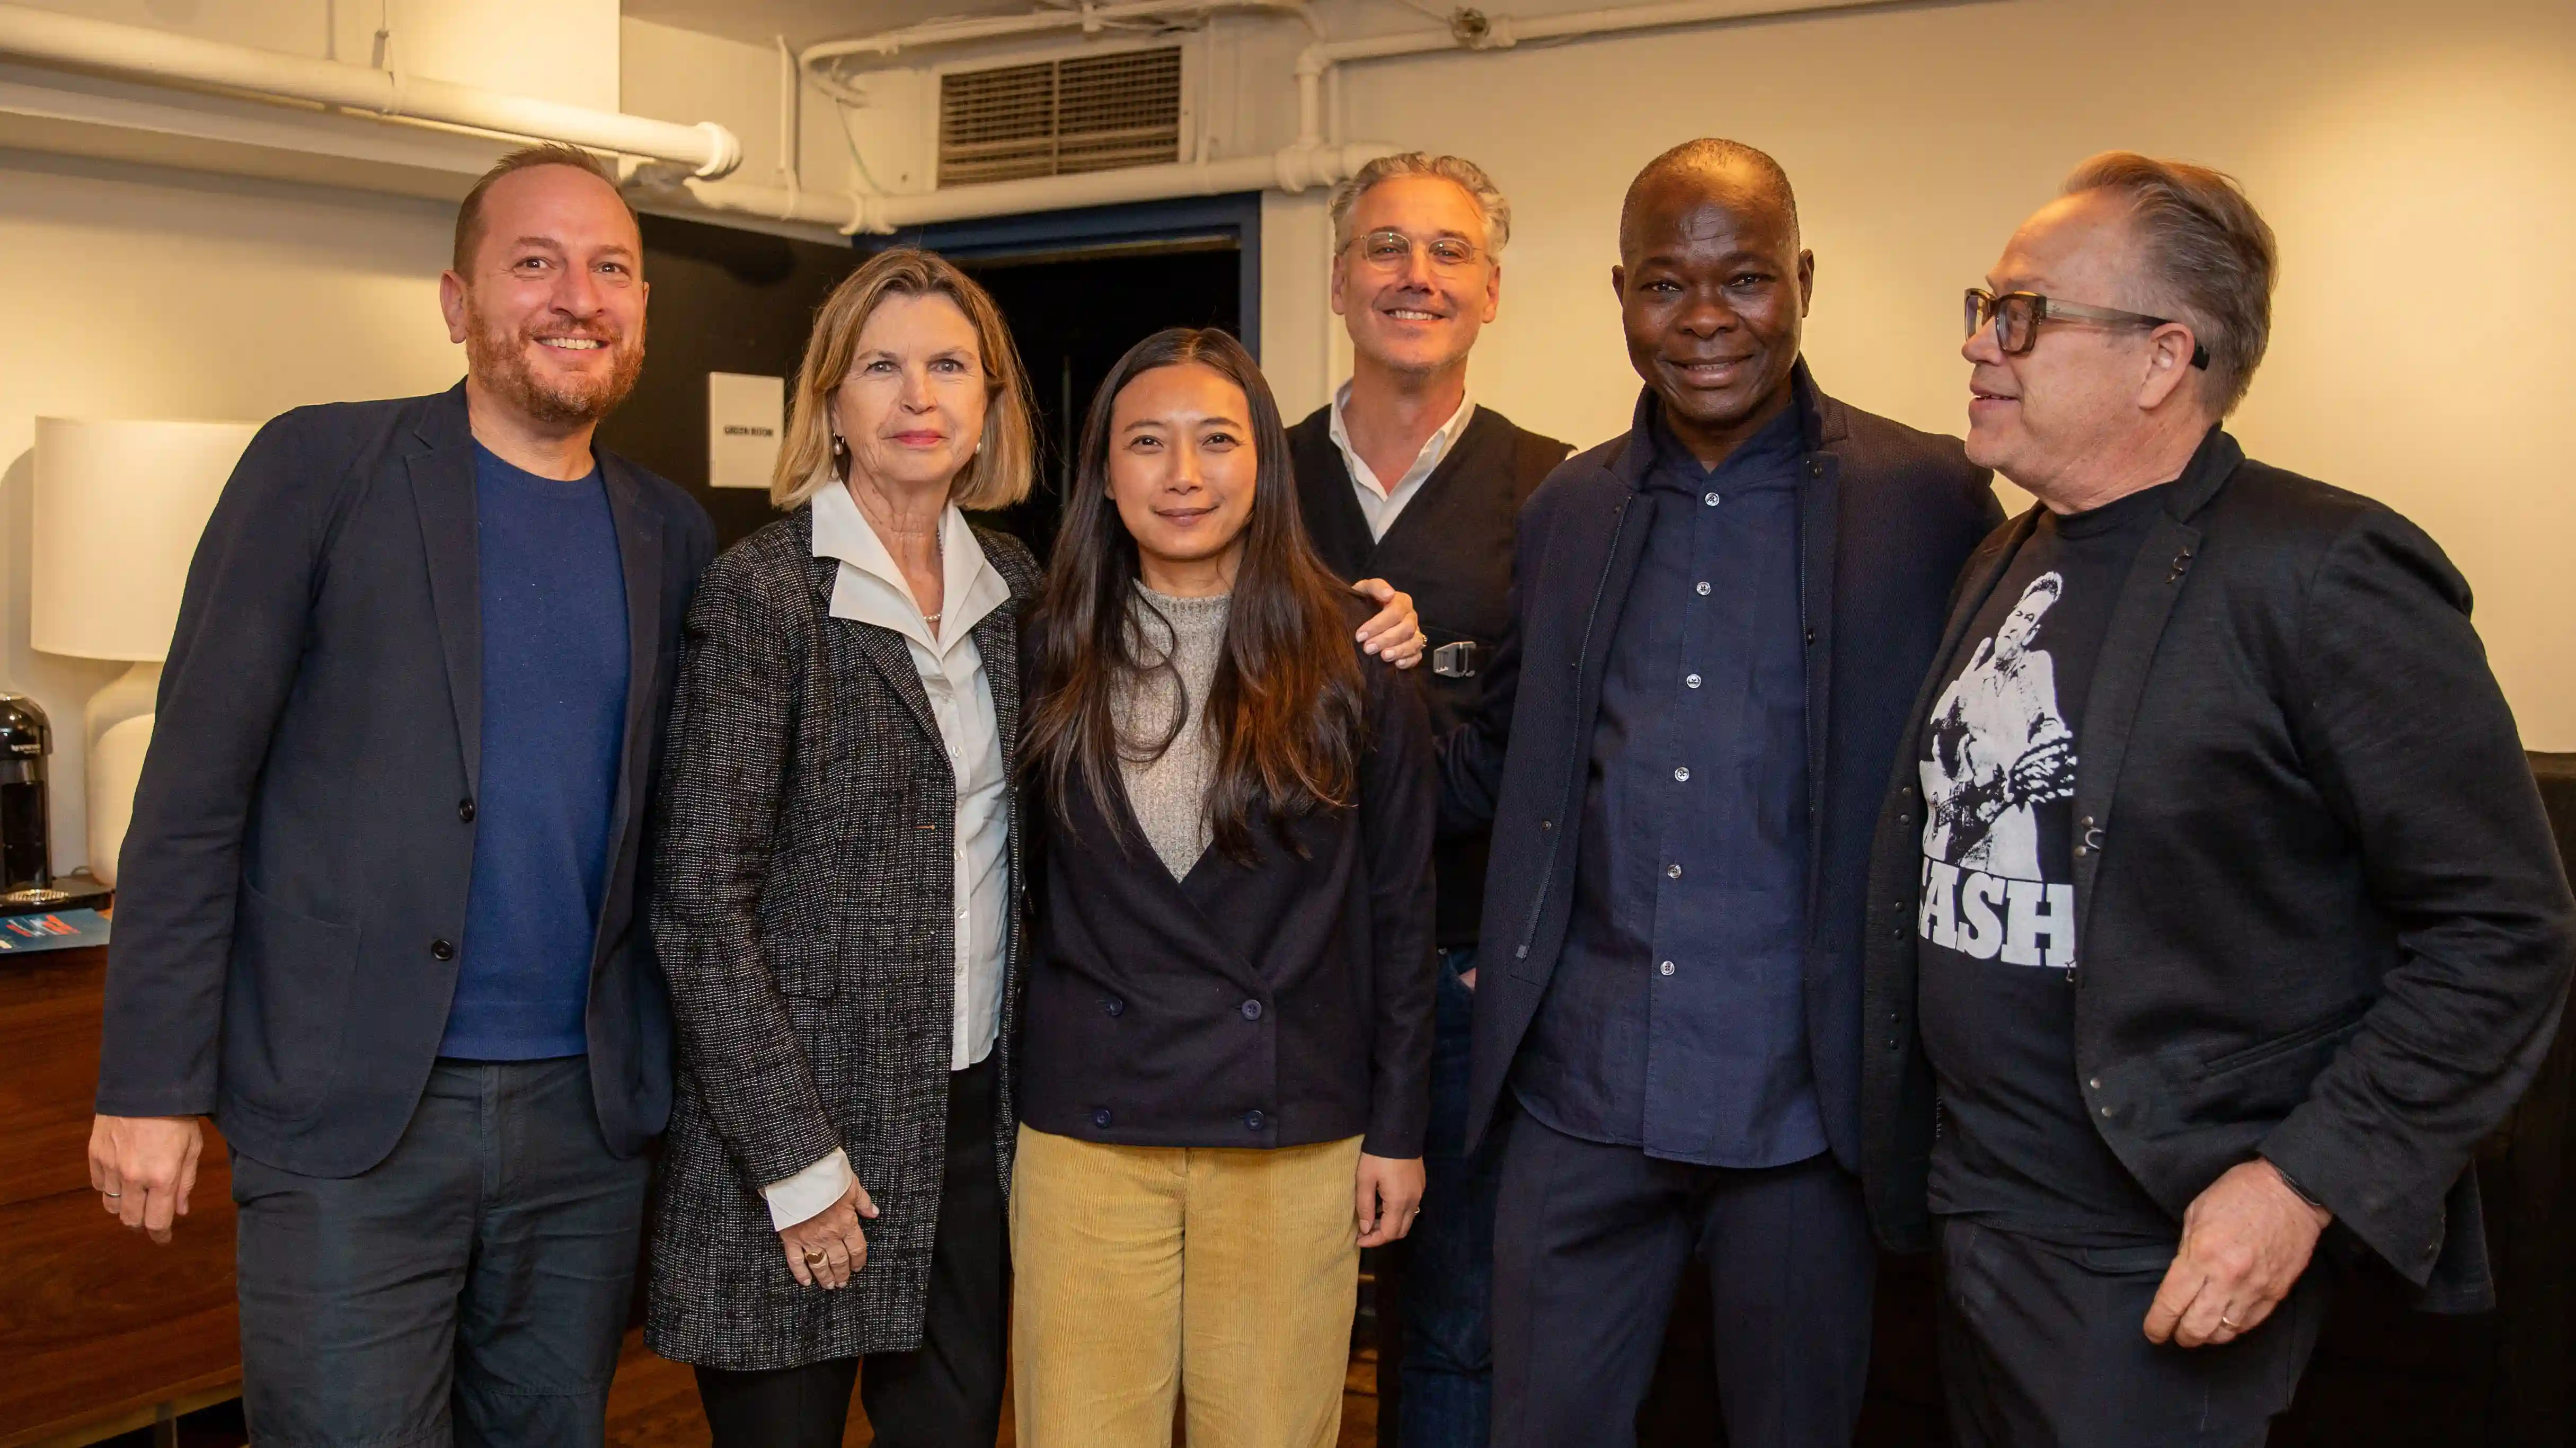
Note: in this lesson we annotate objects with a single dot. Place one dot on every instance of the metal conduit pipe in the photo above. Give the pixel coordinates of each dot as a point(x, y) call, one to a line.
point(1292, 169)
point(1471, 29)
point(48, 38)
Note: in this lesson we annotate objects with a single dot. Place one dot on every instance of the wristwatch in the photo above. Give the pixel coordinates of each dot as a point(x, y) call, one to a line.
point(2296, 1190)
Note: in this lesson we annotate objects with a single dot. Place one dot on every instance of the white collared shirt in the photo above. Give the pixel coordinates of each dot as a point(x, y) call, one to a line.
point(1380, 504)
point(870, 589)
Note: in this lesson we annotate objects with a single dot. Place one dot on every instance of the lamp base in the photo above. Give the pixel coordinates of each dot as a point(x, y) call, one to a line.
point(117, 728)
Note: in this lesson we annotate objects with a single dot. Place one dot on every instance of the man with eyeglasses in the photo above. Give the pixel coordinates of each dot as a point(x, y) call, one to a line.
point(1404, 477)
point(2217, 918)
point(1720, 617)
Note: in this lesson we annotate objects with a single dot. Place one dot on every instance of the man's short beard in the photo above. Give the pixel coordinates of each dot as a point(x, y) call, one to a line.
point(499, 359)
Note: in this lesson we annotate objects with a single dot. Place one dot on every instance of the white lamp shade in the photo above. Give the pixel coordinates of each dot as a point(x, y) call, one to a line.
point(119, 507)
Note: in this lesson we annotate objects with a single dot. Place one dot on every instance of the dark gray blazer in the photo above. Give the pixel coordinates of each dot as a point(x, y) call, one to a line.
point(804, 880)
point(2321, 914)
point(293, 883)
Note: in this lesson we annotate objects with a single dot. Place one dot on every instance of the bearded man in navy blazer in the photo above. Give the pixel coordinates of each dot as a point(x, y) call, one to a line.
point(378, 913)
point(1720, 619)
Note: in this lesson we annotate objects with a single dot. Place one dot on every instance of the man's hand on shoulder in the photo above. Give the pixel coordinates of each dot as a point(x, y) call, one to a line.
point(144, 1167)
point(2244, 1243)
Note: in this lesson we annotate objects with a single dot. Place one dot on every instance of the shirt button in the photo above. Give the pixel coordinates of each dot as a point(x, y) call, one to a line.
point(1703, 588)
point(2106, 1110)
point(1682, 775)
point(1666, 968)
point(1100, 1117)
point(2095, 1083)
point(465, 810)
point(1691, 679)
point(1710, 499)
point(1113, 1005)
point(1252, 1010)
point(442, 950)
point(1674, 871)
point(1254, 1120)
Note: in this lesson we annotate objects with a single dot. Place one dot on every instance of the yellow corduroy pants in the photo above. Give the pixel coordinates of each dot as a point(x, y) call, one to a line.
point(1224, 1275)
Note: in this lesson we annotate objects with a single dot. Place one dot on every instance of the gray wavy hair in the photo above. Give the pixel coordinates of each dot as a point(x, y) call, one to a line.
point(1458, 171)
point(2213, 257)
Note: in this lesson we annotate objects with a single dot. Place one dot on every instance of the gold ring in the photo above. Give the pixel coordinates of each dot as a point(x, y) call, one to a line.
point(816, 1256)
point(2231, 1324)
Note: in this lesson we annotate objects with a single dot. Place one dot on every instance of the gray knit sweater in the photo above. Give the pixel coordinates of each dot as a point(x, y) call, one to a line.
point(1169, 793)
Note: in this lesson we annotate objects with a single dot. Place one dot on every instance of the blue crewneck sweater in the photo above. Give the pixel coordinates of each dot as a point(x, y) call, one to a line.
point(555, 650)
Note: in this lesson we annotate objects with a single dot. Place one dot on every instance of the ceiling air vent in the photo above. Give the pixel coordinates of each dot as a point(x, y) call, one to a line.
point(1060, 117)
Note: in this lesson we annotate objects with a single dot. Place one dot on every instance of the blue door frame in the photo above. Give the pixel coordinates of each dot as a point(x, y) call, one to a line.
point(1235, 217)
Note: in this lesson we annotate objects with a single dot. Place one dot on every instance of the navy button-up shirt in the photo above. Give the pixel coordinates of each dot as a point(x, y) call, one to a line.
point(1676, 1020)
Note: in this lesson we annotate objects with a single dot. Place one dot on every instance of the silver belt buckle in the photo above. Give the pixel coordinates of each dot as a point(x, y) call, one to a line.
point(1455, 661)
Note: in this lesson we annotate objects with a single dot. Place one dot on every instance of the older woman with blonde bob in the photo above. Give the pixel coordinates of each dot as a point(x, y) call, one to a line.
point(835, 881)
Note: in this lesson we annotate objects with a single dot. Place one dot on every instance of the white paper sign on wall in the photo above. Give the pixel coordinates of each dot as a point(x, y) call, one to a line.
point(745, 416)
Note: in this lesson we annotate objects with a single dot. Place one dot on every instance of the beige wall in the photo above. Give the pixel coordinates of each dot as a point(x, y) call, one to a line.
point(563, 50)
point(2414, 158)
point(129, 292)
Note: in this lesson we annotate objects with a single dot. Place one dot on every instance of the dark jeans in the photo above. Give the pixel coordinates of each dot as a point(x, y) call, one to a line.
point(1590, 1242)
point(2044, 1345)
point(947, 1393)
point(1448, 1360)
point(470, 1288)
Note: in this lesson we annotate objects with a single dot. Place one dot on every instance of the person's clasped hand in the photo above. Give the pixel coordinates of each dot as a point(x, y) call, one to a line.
point(2244, 1243)
point(826, 1249)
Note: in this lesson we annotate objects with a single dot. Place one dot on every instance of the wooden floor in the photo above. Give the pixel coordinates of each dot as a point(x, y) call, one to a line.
point(655, 1405)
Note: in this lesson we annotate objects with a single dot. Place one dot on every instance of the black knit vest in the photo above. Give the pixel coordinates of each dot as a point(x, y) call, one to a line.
point(1451, 548)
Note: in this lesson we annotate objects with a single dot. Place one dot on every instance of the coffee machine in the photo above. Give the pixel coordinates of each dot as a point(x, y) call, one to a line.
point(27, 881)
point(26, 820)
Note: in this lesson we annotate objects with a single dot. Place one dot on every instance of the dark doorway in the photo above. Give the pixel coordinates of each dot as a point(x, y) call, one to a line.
point(1073, 317)
point(724, 300)
point(1079, 288)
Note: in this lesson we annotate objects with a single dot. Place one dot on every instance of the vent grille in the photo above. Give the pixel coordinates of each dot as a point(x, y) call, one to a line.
point(1060, 117)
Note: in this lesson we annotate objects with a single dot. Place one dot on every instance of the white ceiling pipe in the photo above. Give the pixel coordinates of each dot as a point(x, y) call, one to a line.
point(1293, 169)
point(1471, 29)
point(49, 38)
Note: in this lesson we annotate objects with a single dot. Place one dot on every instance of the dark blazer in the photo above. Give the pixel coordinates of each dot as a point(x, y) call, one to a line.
point(804, 906)
point(1275, 1004)
point(1886, 514)
point(1451, 548)
point(293, 883)
point(2320, 912)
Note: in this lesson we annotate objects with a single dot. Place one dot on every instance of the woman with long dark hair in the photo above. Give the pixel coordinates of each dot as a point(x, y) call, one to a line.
point(1227, 1041)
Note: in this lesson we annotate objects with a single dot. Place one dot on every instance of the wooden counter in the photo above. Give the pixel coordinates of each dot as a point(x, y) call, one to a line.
point(100, 1330)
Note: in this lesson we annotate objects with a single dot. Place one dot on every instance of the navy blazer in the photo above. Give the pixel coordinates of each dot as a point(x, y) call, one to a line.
point(1887, 515)
point(293, 884)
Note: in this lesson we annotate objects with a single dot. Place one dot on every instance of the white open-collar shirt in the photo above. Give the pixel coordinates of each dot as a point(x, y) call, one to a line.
point(1380, 501)
point(870, 589)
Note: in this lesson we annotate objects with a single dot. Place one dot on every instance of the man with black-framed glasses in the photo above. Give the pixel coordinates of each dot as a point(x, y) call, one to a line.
point(2215, 917)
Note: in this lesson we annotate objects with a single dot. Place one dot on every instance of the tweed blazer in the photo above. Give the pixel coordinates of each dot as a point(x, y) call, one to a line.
point(802, 909)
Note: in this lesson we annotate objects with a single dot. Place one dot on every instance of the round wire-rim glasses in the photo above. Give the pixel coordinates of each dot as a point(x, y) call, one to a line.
point(1390, 250)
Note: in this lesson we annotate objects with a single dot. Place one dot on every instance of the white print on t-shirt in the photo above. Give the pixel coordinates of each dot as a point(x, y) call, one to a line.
point(1999, 747)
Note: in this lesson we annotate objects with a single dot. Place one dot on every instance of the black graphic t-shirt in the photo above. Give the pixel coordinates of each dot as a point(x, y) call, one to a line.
point(1996, 935)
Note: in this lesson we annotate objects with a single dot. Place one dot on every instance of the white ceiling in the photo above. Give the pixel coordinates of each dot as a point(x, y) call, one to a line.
point(806, 21)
